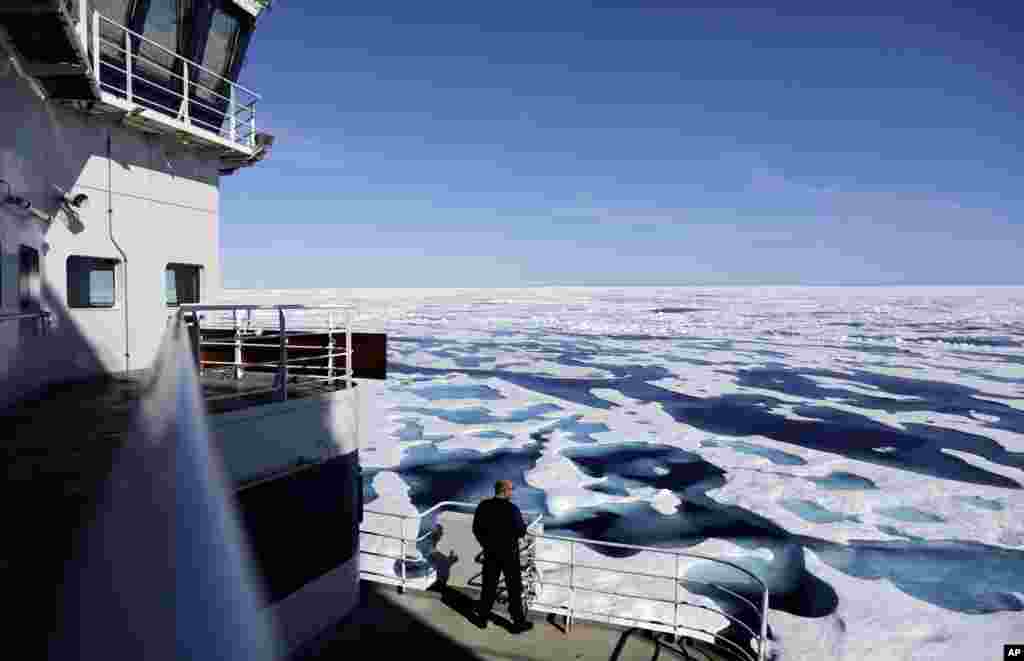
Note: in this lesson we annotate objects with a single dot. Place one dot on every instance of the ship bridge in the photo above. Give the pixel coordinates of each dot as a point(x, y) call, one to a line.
point(167, 66)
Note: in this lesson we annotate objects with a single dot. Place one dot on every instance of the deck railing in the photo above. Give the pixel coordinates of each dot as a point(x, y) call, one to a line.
point(246, 335)
point(571, 609)
point(218, 109)
point(405, 539)
point(42, 317)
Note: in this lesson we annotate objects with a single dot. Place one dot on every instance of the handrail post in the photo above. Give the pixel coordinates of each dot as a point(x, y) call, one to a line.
point(252, 126)
point(282, 368)
point(199, 341)
point(762, 652)
point(238, 348)
point(330, 347)
point(96, 48)
point(348, 350)
point(82, 27)
point(675, 612)
point(401, 588)
point(572, 586)
point(128, 65)
point(231, 111)
point(184, 99)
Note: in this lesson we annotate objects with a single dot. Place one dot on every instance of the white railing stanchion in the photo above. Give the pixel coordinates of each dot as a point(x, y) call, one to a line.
point(239, 373)
point(128, 65)
point(82, 27)
point(282, 370)
point(348, 351)
point(184, 97)
point(402, 523)
point(762, 652)
point(572, 586)
point(96, 47)
point(231, 111)
point(330, 348)
point(199, 341)
point(675, 612)
point(252, 126)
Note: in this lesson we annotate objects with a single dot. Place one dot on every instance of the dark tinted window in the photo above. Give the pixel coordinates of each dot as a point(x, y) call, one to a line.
point(91, 282)
point(221, 43)
point(162, 25)
point(181, 284)
point(118, 12)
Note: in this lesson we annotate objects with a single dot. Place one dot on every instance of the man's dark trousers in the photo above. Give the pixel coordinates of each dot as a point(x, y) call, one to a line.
point(496, 564)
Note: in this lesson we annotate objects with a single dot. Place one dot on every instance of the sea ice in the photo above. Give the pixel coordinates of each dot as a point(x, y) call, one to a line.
point(898, 357)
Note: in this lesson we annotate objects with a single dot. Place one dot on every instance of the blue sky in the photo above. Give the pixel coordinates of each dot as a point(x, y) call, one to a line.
point(462, 144)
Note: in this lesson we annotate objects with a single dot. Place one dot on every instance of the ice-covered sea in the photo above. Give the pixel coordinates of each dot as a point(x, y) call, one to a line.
point(861, 449)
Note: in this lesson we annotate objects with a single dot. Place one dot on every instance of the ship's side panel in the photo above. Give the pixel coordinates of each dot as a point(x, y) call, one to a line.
point(151, 202)
point(300, 497)
point(303, 530)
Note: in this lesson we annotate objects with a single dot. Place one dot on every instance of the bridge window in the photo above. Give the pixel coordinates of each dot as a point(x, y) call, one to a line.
point(91, 282)
point(118, 11)
point(181, 284)
point(222, 46)
point(222, 42)
point(115, 10)
point(162, 25)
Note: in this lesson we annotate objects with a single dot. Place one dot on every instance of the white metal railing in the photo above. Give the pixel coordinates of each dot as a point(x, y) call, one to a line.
point(41, 316)
point(116, 62)
point(405, 538)
point(245, 335)
point(572, 610)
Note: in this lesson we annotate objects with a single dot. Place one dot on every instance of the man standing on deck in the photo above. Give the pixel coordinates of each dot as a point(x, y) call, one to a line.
point(498, 525)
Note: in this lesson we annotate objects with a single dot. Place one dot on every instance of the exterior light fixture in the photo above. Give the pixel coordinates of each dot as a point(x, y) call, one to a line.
point(80, 201)
point(71, 205)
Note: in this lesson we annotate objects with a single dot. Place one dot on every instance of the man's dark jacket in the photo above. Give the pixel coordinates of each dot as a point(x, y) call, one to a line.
point(497, 525)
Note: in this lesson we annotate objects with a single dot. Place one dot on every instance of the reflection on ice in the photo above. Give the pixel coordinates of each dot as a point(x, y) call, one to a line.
point(984, 503)
point(838, 480)
point(811, 511)
point(445, 392)
point(910, 514)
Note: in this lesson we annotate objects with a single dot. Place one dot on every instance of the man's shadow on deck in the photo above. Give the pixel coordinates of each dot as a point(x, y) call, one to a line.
point(456, 599)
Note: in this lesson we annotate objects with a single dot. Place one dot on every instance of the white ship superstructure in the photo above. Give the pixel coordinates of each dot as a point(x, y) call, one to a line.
point(117, 120)
point(150, 425)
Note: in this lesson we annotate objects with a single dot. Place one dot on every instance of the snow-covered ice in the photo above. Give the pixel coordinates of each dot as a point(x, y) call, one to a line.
point(859, 449)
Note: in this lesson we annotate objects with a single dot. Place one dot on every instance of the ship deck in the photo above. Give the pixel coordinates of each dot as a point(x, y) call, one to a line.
point(58, 447)
point(436, 624)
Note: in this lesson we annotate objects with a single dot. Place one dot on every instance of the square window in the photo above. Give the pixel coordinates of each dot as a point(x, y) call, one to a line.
point(91, 282)
point(181, 284)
